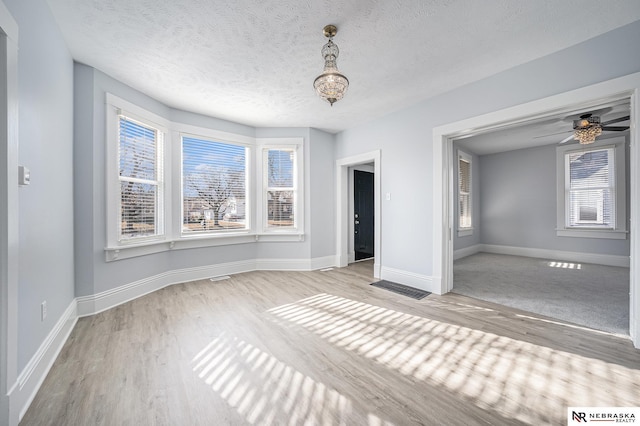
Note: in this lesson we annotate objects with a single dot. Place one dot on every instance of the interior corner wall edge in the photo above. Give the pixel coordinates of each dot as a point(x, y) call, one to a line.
point(46, 253)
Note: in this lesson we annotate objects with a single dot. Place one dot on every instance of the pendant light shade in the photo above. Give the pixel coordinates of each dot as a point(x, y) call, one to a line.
point(331, 85)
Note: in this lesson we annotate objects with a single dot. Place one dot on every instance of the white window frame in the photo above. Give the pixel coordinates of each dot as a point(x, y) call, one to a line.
point(296, 232)
point(619, 231)
point(114, 109)
point(225, 139)
point(173, 239)
point(464, 231)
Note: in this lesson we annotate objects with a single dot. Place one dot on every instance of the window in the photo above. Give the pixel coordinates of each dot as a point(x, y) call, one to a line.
point(173, 186)
point(140, 176)
point(281, 191)
point(464, 195)
point(593, 190)
point(214, 186)
point(281, 202)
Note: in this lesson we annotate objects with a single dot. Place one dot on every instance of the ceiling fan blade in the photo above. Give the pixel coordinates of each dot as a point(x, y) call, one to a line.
point(615, 128)
point(615, 120)
point(565, 140)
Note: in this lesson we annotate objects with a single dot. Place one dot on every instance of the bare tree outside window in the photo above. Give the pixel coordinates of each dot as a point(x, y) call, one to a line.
point(214, 186)
point(138, 179)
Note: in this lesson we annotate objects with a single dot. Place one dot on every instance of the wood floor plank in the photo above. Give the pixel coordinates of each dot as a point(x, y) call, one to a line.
point(289, 348)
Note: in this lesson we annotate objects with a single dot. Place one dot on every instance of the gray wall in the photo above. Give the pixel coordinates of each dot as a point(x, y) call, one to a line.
point(322, 194)
point(518, 204)
point(515, 217)
point(405, 137)
point(45, 73)
point(66, 156)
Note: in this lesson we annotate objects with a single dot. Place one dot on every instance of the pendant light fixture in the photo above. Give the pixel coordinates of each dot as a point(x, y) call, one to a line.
point(330, 85)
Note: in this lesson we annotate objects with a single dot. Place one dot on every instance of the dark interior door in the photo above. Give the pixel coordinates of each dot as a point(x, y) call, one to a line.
point(363, 214)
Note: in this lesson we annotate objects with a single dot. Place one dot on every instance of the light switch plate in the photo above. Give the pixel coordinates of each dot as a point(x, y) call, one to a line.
point(24, 176)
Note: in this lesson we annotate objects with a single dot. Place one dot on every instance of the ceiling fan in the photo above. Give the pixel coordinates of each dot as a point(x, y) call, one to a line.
point(588, 127)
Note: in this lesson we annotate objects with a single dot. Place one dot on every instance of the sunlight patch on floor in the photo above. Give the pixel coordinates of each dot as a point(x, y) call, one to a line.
point(564, 265)
point(495, 372)
point(266, 391)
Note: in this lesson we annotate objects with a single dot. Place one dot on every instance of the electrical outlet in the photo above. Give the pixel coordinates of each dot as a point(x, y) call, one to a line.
point(43, 310)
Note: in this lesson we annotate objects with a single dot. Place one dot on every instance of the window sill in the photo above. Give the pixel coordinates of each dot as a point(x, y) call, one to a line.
point(193, 241)
point(279, 237)
point(465, 232)
point(610, 234)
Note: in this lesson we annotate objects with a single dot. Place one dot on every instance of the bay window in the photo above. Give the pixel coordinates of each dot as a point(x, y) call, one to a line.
point(174, 186)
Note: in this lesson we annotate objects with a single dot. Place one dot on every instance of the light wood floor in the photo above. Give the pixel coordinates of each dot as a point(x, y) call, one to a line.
point(326, 348)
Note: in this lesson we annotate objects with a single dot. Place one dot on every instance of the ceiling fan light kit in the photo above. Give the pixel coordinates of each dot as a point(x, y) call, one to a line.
point(331, 85)
point(587, 135)
point(588, 127)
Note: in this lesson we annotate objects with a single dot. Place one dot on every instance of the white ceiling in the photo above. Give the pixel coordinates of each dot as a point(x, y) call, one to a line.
point(254, 62)
point(549, 130)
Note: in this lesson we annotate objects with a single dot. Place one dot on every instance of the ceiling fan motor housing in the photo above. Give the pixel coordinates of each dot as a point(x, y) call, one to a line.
point(586, 121)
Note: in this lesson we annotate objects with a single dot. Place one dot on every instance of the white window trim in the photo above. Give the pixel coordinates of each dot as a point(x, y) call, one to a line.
point(249, 229)
point(467, 230)
point(266, 234)
point(620, 231)
point(173, 238)
point(115, 107)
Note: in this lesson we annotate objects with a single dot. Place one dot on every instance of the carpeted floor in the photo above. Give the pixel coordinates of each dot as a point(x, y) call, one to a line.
point(595, 296)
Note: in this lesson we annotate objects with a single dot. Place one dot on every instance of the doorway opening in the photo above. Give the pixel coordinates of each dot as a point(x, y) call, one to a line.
point(584, 98)
point(518, 242)
point(368, 211)
point(363, 214)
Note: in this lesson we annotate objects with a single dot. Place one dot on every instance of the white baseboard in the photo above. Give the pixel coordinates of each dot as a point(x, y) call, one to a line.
point(38, 367)
point(295, 264)
point(31, 378)
point(93, 304)
point(422, 282)
point(323, 262)
point(598, 259)
point(467, 251)
point(377, 270)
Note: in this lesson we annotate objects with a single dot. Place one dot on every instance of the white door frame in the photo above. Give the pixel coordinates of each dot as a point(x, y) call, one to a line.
point(342, 207)
point(9, 243)
point(442, 245)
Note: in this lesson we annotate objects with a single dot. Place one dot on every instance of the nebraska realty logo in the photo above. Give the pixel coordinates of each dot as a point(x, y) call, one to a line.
point(600, 415)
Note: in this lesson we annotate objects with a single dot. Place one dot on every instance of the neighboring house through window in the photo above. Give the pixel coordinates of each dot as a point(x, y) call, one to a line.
point(281, 199)
point(591, 190)
point(214, 186)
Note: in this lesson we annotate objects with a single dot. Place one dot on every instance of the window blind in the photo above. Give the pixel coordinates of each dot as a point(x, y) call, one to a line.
point(140, 191)
point(591, 188)
point(281, 188)
point(214, 186)
point(464, 193)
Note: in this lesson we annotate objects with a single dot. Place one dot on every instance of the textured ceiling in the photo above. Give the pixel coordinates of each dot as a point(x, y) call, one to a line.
point(254, 62)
